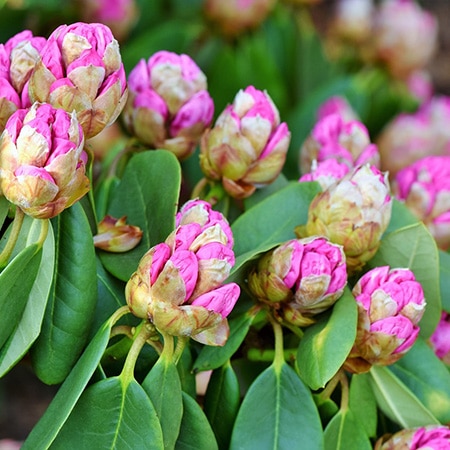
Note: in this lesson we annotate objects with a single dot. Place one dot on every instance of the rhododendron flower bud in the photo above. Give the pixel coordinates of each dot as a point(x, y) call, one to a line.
point(440, 339)
point(114, 235)
point(169, 106)
point(246, 149)
point(42, 162)
point(420, 85)
point(18, 56)
point(424, 186)
point(337, 105)
point(405, 36)
point(300, 278)
point(236, 16)
point(179, 286)
point(354, 212)
point(432, 437)
point(326, 172)
point(81, 69)
point(390, 305)
point(333, 137)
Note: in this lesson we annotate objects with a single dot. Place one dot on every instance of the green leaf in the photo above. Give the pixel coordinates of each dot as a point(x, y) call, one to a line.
point(444, 278)
point(163, 387)
point(195, 432)
point(344, 432)
point(148, 196)
point(112, 414)
point(186, 373)
point(326, 344)
point(427, 376)
point(221, 403)
point(401, 216)
point(278, 412)
point(414, 248)
point(363, 404)
point(397, 401)
point(72, 299)
point(261, 194)
point(4, 208)
point(49, 425)
point(213, 357)
point(272, 221)
point(29, 326)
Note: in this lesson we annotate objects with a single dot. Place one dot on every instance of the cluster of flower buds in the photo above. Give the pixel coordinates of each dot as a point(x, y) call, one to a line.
point(234, 17)
point(18, 56)
point(81, 69)
point(42, 161)
point(390, 305)
point(169, 106)
point(433, 437)
point(409, 137)
point(114, 235)
point(300, 278)
point(353, 212)
point(440, 339)
point(246, 149)
point(424, 186)
point(179, 284)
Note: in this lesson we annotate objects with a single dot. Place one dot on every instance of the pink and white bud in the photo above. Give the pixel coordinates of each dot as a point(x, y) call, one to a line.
point(300, 278)
point(326, 172)
point(354, 213)
point(334, 137)
point(337, 105)
point(390, 305)
point(81, 69)
point(424, 186)
point(440, 339)
point(42, 161)
point(405, 36)
point(169, 105)
point(246, 149)
point(420, 85)
point(114, 235)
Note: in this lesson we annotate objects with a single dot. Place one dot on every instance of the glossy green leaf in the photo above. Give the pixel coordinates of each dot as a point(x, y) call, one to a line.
point(195, 431)
point(148, 196)
point(112, 414)
point(222, 402)
point(363, 403)
point(413, 247)
point(397, 401)
point(344, 432)
point(163, 387)
point(72, 299)
point(278, 412)
point(401, 216)
point(444, 278)
point(29, 325)
point(186, 373)
point(213, 357)
point(49, 425)
point(271, 221)
point(425, 375)
point(326, 344)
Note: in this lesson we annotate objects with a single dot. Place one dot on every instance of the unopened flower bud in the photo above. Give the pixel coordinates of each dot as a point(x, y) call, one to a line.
point(326, 172)
point(354, 212)
point(300, 278)
point(440, 339)
point(169, 106)
point(424, 186)
point(337, 105)
point(81, 69)
point(246, 149)
point(390, 305)
point(42, 161)
point(114, 235)
point(333, 137)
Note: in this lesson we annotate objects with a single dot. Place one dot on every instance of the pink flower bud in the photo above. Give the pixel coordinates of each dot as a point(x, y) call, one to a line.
point(354, 212)
point(114, 235)
point(390, 305)
point(337, 105)
point(405, 36)
point(420, 85)
point(169, 106)
point(42, 162)
point(333, 137)
point(424, 186)
point(326, 172)
point(440, 339)
point(300, 278)
point(246, 149)
point(433, 437)
point(81, 69)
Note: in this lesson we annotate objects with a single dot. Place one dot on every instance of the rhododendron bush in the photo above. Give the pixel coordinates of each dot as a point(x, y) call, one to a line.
point(223, 227)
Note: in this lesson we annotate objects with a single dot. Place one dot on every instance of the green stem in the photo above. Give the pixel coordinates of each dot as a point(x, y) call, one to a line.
point(12, 238)
point(181, 344)
point(256, 354)
point(168, 348)
point(330, 387)
point(344, 390)
point(278, 360)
